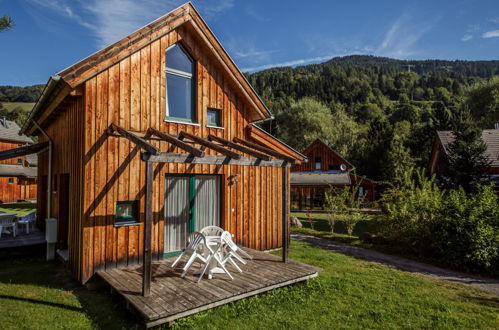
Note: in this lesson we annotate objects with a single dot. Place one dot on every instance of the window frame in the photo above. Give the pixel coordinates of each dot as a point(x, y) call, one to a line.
point(220, 119)
point(10, 181)
point(127, 221)
point(182, 74)
point(318, 162)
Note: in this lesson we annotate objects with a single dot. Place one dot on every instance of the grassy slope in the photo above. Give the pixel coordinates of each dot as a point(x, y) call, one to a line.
point(26, 106)
point(349, 293)
point(18, 208)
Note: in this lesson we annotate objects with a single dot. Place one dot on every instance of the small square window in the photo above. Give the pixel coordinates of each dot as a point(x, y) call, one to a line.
point(126, 212)
point(19, 145)
point(19, 161)
point(214, 118)
point(11, 180)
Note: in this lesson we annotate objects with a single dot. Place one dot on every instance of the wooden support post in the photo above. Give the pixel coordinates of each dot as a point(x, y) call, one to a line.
point(146, 271)
point(285, 213)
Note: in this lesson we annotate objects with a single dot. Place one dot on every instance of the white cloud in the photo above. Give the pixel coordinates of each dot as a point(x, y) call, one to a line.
point(289, 63)
point(401, 39)
point(491, 34)
point(494, 20)
point(111, 20)
point(466, 37)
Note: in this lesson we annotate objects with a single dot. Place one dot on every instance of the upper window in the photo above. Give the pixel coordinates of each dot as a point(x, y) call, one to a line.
point(179, 85)
point(214, 118)
point(318, 163)
point(19, 161)
point(11, 180)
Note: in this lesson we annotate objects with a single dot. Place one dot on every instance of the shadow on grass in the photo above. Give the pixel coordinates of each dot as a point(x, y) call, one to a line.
point(42, 302)
point(484, 301)
point(104, 310)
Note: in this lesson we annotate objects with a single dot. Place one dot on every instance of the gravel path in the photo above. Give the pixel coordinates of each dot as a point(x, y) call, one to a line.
point(484, 283)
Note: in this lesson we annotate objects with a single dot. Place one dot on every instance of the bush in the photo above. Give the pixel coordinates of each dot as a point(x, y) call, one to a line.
point(468, 231)
point(455, 228)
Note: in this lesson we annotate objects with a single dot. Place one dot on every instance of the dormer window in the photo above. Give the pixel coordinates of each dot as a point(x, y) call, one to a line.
point(318, 164)
point(179, 85)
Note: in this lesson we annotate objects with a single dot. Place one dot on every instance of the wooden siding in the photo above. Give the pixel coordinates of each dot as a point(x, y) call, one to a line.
point(66, 132)
point(7, 145)
point(132, 94)
point(329, 158)
point(20, 189)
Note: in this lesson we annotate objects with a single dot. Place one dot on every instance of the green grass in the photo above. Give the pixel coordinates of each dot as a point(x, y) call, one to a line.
point(21, 208)
point(35, 294)
point(349, 293)
point(26, 106)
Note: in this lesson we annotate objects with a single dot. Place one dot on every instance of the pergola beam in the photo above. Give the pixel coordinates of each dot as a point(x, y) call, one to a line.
point(23, 151)
point(239, 147)
point(134, 138)
point(211, 145)
point(176, 142)
point(166, 157)
point(271, 152)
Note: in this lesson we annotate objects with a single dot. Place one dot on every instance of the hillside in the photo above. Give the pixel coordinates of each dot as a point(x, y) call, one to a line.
point(372, 110)
point(24, 106)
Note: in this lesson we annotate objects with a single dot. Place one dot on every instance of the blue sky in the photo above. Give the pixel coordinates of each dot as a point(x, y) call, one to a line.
point(50, 35)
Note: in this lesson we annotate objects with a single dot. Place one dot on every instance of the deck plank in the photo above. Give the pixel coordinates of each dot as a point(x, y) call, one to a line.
point(173, 297)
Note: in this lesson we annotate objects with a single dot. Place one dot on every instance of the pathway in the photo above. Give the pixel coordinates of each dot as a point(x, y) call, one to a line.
point(483, 283)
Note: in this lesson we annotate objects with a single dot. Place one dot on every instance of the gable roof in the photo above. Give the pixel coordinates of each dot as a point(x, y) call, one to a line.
point(265, 138)
point(312, 145)
point(9, 130)
point(489, 136)
point(65, 81)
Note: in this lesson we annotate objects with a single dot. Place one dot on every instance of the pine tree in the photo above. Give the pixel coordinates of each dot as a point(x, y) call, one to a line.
point(467, 160)
point(5, 23)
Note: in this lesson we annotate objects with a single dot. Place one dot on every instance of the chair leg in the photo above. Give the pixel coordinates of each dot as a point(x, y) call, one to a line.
point(238, 257)
point(244, 253)
point(235, 265)
point(188, 264)
point(208, 260)
point(177, 260)
point(223, 267)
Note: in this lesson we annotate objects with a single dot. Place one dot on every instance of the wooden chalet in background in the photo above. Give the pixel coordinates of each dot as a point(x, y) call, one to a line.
point(438, 156)
point(17, 175)
point(153, 138)
point(325, 169)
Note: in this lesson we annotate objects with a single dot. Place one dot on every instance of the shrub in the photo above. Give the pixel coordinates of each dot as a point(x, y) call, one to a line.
point(458, 229)
point(467, 235)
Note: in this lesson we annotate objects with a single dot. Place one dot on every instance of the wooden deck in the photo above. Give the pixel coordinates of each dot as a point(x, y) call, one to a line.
point(173, 297)
point(35, 237)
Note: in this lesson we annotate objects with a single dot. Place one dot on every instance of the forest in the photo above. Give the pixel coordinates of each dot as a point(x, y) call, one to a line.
point(379, 113)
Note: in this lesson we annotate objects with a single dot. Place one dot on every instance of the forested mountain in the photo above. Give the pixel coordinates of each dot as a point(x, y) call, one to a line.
point(20, 94)
point(373, 110)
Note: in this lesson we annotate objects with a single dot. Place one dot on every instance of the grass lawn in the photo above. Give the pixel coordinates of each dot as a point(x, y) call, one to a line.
point(321, 223)
point(26, 106)
point(348, 293)
point(21, 208)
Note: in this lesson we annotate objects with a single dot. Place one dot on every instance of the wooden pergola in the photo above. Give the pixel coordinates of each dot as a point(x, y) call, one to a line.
point(261, 156)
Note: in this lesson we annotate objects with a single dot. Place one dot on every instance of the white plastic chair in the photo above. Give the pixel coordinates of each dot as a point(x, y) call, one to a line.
point(27, 220)
point(193, 250)
point(220, 258)
point(8, 221)
point(212, 231)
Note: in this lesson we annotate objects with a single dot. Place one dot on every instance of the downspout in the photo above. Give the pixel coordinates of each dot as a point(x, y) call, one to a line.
point(49, 175)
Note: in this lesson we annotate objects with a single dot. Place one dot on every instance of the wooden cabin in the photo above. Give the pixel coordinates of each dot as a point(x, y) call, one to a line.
point(17, 175)
point(438, 156)
point(152, 138)
point(325, 169)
